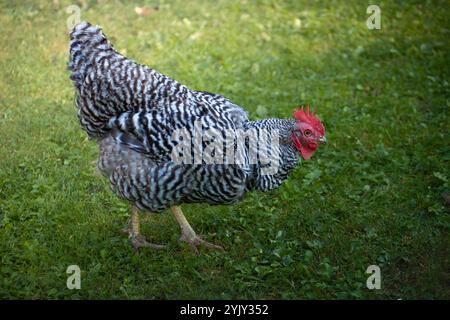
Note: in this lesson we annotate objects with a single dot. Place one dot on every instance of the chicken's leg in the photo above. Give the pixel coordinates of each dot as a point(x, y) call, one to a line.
point(138, 240)
point(188, 234)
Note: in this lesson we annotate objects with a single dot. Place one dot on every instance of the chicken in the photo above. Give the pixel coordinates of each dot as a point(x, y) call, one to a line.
point(163, 144)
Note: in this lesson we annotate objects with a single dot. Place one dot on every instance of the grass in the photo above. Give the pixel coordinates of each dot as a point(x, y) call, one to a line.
point(373, 196)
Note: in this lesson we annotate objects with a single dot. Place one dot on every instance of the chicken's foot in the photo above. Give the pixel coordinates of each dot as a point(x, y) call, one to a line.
point(138, 240)
point(188, 234)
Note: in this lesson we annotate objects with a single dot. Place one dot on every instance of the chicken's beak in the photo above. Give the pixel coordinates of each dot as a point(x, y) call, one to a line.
point(323, 140)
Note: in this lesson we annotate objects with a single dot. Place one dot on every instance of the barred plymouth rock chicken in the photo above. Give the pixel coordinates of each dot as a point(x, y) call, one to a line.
point(163, 144)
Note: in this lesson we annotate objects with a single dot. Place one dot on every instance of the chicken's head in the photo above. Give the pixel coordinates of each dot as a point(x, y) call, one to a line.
point(308, 132)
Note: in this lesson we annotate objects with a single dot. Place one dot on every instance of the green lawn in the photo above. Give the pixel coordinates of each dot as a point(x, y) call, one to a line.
point(372, 196)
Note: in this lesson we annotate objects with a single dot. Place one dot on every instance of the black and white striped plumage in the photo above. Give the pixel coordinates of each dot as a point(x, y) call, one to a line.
point(132, 110)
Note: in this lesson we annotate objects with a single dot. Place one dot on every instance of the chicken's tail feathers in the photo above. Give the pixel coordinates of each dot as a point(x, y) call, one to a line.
point(87, 43)
point(89, 49)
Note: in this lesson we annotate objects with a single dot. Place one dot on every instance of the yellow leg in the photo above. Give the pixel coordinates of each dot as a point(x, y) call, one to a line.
point(135, 222)
point(188, 234)
point(137, 240)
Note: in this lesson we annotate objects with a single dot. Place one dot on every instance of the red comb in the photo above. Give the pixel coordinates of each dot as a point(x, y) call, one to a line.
point(310, 118)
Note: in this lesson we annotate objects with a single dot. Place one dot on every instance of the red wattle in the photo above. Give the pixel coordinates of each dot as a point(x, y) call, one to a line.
point(312, 146)
point(306, 151)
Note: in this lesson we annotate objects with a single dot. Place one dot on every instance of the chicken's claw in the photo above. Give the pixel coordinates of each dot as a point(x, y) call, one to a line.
point(195, 241)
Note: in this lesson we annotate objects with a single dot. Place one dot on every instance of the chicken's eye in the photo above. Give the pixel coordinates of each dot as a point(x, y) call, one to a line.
point(307, 133)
